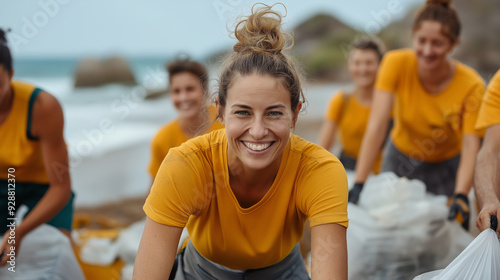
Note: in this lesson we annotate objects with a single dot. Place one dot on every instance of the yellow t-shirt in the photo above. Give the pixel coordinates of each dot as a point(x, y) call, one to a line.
point(429, 127)
point(171, 136)
point(192, 187)
point(17, 149)
point(489, 113)
point(352, 118)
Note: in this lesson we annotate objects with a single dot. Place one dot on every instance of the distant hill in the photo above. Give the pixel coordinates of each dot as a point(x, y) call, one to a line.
point(320, 45)
point(320, 42)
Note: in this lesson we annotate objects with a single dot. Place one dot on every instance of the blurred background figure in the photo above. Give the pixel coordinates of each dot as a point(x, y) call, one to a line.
point(97, 68)
point(348, 111)
point(486, 177)
point(436, 101)
point(33, 158)
point(188, 88)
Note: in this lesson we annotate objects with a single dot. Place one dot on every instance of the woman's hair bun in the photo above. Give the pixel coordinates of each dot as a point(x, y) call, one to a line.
point(261, 32)
point(3, 37)
point(444, 3)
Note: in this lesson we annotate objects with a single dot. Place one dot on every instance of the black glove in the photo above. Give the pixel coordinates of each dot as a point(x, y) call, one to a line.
point(459, 210)
point(355, 192)
point(493, 222)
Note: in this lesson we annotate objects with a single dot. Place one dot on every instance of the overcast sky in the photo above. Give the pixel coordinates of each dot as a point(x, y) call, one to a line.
point(62, 28)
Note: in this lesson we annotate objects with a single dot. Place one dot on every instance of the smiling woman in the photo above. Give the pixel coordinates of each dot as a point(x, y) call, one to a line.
point(188, 91)
point(244, 193)
point(436, 100)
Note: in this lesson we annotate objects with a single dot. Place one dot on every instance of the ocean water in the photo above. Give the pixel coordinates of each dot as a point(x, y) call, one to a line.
point(108, 129)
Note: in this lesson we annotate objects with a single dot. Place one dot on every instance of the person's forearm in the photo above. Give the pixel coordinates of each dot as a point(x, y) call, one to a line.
point(328, 252)
point(327, 134)
point(465, 172)
point(157, 251)
point(486, 178)
point(370, 148)
point(47, 208)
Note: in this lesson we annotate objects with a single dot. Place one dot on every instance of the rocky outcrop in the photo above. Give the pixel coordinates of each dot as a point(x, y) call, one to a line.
point(321, 42)
point(94, 73)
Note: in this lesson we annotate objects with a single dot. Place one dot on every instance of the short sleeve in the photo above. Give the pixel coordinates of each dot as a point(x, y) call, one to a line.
point(389, 72)
point(489, 113)
point(323, 194)
point(179, 191)
point(334, 109)
point(471, 110)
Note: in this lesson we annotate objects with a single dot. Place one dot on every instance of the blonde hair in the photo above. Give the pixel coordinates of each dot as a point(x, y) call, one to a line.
point(259, 51)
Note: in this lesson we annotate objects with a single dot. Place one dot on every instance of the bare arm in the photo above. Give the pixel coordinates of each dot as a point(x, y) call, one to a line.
point(465, 173)
point(327, 134)
point(487, 179)
point(328, 252)
point(157, 251)
point(375, 133)
point(47, 126)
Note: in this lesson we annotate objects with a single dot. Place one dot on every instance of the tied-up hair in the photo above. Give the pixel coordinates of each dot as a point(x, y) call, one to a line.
point(5, 56)
point(182, 65)
point(259, 50)
point(443, 12)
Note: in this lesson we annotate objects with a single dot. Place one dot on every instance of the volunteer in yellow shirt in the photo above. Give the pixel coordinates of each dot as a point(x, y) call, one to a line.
point(245, 192)
point(436, 100)
point(188, 92)
point(348, 112)
point(33, 159)
point(486, 179)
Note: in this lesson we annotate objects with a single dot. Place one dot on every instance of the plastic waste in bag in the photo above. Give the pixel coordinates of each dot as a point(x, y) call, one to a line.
point(45, 253)
point(479, 261)
point(399, 231)
point(99, 251)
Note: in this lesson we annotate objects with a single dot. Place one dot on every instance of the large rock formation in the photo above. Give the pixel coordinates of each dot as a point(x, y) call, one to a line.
point(94, 73)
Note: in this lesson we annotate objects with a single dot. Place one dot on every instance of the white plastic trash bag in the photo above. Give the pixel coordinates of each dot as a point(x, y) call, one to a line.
point(128, 241)
point(45, 253)
point(479, 261)
point(399, 231)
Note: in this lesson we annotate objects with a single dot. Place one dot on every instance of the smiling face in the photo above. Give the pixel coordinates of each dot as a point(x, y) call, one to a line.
point(258, 118)
point(431, 45)
point(186, 92)
point(363, 66)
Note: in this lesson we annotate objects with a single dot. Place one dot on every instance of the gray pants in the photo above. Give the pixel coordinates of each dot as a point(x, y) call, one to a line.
point(192, 265)
point(347, 161)
point(439, 177)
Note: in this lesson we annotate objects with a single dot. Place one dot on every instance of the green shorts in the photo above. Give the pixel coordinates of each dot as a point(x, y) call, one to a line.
point(30, 194)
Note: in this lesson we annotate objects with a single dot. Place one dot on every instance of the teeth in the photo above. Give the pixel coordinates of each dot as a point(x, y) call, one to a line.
point(184, 106)
point(256, 147)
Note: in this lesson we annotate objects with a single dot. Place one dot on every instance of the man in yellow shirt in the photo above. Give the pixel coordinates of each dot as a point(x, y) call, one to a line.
point(486, 177)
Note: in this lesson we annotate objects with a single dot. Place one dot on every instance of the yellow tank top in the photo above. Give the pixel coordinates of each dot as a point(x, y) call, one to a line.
point(18, 148)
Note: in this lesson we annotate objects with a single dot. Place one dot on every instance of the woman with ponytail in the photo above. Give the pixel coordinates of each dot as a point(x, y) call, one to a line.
point(245, 192)
point(33, 158)
point(436, 100)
